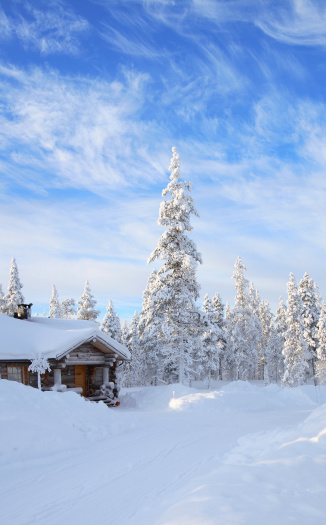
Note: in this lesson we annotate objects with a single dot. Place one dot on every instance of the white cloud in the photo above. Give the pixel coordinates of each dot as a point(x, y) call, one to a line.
point(51, 28)
point(131, 45)
point(303, 23)
point(296, 22)
point(5, 27)
point(77, 132)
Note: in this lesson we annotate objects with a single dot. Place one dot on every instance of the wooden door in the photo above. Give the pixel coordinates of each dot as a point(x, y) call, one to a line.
point(80, 377)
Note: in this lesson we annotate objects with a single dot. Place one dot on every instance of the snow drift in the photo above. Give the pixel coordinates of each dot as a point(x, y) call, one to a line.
point(36, 423)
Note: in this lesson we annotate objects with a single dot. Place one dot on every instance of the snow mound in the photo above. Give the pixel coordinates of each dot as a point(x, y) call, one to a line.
point(238, 396)
point(242, 396)
point(153, 397)
point(36, 422)
point(306, 440)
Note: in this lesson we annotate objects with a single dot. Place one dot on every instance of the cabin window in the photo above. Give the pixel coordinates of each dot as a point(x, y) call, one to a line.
point(15, 373)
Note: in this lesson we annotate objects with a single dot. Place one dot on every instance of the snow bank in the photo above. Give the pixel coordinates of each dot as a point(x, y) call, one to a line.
point(242, 396)
point(237, 396)
point(35, 422)
point(150, 398)
point(306, 440)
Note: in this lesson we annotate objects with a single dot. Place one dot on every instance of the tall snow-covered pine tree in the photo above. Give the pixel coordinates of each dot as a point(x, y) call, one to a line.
point(210, 343)
point(295, 345)
point(14, 296)
point(243, 330)
point(86, 310)
point(55, 308)
point(68, 310)
point(321, 347)
point(176, 287)
point(152, 335)
point(310, 315)
point(111, 323)
point(3, 302)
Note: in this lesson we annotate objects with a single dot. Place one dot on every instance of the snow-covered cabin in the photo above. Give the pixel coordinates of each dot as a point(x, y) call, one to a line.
point(80, 355)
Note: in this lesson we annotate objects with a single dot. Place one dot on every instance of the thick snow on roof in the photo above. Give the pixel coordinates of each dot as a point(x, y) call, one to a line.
point(25, 339)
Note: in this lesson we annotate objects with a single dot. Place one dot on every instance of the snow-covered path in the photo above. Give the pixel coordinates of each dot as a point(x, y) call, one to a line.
point(153, 461)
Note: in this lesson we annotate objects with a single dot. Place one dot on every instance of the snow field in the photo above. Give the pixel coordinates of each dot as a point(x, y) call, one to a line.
point(170, 455)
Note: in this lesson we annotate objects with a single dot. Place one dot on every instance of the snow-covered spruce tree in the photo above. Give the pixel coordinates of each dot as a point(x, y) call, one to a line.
point(280, 319)
point(124, 369)
point(68, 310)
point(136, 362)
point(255, 304)
point(218, 310)
point(151, 323)
point(131, 372)
point(40, 365)
point(243, 330)
point(310, 315)
point(227, 309)
point(281, 328)
point(3, 302)
point(321, 346)
point(14, 297)
point(295, 346)
point(219, 322)
point(209, 355)
point(254, 299)
point(270, 344)
point(86, 310)
point(125, 334)
point(111, 323)
point(227, 362)
point(55, 308)
point(176, 286)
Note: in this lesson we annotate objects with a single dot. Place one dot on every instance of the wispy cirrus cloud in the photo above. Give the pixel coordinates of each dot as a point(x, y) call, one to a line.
point(77, 132)
point(5, 27)
point(130, 45)
point(50, 28)
point(300, 22)
point(296, 22)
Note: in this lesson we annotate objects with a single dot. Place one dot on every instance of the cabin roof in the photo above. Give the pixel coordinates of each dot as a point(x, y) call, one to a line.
point(52, 338)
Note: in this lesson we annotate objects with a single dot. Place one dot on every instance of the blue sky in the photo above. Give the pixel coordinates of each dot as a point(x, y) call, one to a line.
point(94, 94)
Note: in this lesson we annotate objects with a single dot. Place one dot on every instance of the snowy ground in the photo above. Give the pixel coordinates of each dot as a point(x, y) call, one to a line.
point(242, 454)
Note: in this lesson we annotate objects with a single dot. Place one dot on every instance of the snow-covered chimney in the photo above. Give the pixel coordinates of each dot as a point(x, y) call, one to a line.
point(24, 311)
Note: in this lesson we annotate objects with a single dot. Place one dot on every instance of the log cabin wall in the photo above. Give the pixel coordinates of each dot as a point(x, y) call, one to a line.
point(86, 353)
point(68, 376)
point(3, 370)
point(97, 375)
